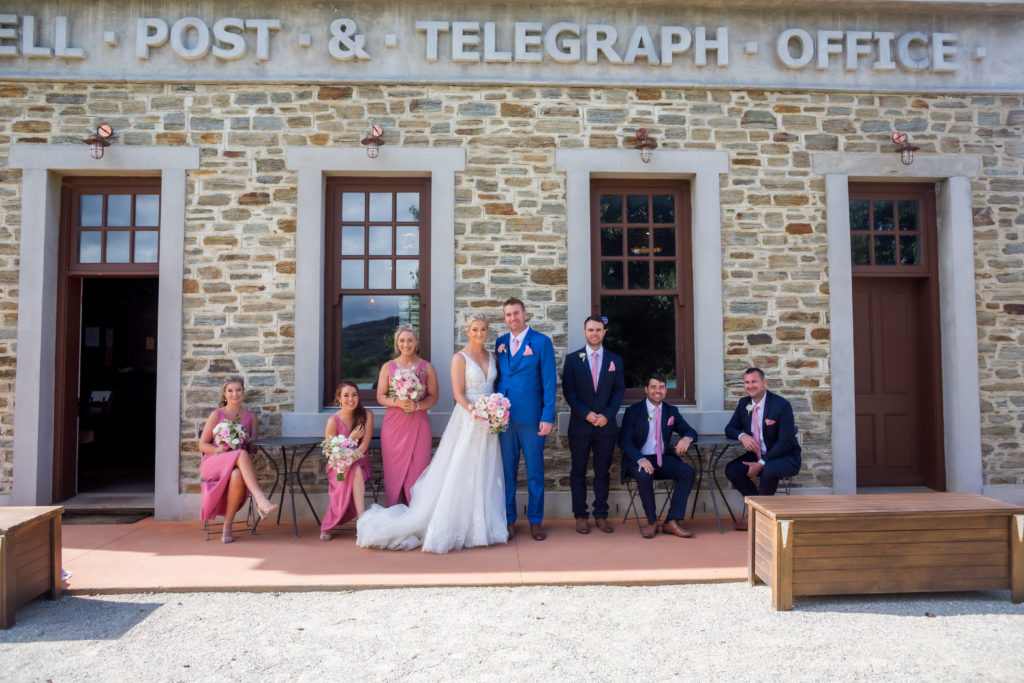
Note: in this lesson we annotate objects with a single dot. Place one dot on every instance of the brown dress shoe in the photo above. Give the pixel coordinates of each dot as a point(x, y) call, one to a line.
point(671, 526)
point(603, 525)
point(740, 525)
point(511, 531)
point(581, 525)
point(649, 531)
point(537, 531)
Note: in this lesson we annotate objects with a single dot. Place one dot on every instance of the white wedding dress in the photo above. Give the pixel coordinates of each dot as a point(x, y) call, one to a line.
point(459, 500)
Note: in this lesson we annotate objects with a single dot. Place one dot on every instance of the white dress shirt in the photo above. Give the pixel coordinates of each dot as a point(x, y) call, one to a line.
point(648, 449)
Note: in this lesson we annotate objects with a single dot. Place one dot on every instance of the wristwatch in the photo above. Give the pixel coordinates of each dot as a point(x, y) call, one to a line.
point(760, 461)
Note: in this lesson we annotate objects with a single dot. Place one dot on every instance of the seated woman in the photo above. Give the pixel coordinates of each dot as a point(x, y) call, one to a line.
point(227, 470)
point(355, 422)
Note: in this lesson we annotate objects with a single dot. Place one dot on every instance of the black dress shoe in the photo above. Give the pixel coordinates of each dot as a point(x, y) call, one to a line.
point(603, 525)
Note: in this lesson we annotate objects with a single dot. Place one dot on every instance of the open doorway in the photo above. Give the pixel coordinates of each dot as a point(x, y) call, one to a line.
point(117, 385)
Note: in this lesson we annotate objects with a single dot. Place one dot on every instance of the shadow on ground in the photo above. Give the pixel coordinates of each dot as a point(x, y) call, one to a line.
point(86, 618)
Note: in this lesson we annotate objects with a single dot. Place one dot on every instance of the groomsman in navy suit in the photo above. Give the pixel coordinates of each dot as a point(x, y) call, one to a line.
point(527, 376)
point(593, 384)
point(646, 441)
point(763, 422)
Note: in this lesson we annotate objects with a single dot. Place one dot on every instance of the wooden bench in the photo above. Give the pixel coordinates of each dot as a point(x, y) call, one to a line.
point(879, 543)
point(29, 557)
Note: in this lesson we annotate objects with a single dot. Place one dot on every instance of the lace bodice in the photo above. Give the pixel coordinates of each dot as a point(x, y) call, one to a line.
point(476, 384)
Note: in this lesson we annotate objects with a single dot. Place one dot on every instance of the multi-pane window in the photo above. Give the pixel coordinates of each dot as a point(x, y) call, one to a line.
point(377, 274)
point(886, 229)
point(115, 226)
point(642, 280)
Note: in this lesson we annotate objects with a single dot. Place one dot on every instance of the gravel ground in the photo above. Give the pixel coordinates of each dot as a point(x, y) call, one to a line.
point(578, 633)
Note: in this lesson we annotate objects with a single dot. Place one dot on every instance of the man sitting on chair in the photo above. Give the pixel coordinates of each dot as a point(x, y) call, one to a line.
point(763, 422)
point(646, 441)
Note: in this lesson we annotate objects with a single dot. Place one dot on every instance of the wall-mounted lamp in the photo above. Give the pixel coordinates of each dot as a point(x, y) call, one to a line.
point(373, 141)
point(99, 140)
point(645, 145)
point(906, 150)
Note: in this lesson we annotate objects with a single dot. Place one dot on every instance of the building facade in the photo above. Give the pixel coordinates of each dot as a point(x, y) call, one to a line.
point(237, 224)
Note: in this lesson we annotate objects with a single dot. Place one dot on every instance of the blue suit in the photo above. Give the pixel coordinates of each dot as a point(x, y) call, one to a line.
point(583, 398)
point(782, 455)
point(529, 381)
point(636, 425)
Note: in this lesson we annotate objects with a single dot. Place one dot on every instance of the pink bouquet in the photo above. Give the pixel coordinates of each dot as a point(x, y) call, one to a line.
point(341, 453)
point(405, 384)
point(229, 435)
point(494, 410)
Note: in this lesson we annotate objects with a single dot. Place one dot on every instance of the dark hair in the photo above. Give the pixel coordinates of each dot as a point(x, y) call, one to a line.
point(751, 371)
point(359, 413)
point(513, 301)
point(655, 375)
point(596, 319)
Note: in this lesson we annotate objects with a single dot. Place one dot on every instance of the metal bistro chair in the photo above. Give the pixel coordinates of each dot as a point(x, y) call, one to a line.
point(211, 526)
point(667, 486)
point(376, 481)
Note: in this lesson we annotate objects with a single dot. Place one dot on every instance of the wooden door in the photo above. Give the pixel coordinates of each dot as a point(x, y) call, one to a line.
point(897, 366)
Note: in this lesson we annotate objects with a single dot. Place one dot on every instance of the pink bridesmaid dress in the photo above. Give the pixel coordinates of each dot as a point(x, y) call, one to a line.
point(339, 506)
point(404, 444)
point(215, 471)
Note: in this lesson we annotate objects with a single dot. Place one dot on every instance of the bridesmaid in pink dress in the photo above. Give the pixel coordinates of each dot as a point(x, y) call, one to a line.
point(228, 475)
point(405, 437)
point(355, 422)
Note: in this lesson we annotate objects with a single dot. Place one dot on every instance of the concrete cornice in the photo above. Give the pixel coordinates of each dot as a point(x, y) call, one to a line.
point(118, 158)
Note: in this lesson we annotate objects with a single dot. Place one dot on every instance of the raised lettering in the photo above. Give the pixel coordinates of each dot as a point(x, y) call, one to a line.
point(491, 53)
point(7, 33)
point(527, 35)
point(857, 44)
point(178, 31)
point(263, 28)
point(805, 48)
point(61, 38)
point(720, 44)
point(228, 45)
point(566, 50)
point(149, 32)
point(28, 39)
point(943, 48)
point(884, 41)
point(345, 44)
point(829, 43)
point(601, 38)
point(432, 28)
point(674, 40)
point(641, 44)
point(903, 56)
point(465, 34)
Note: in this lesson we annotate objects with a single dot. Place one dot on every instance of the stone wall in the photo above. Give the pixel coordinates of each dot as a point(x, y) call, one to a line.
point(239, 274)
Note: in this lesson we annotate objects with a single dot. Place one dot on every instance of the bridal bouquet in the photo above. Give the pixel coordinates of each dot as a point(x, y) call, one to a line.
point(405, 384)
point(341, 453)
point(229, 435)
point(494, 410)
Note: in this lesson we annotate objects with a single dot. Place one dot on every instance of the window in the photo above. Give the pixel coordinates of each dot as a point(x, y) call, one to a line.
point(643, 280)
point(115, 226)
point(886, 234)
point(377, 275)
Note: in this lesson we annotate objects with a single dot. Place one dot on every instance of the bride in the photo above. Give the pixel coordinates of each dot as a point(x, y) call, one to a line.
point(459, 500)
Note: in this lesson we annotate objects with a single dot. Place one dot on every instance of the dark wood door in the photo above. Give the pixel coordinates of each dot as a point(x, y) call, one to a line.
point(897, 365)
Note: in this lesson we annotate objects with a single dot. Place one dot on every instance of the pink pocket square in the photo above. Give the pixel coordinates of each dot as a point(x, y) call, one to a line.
point(671, 420)
point(769, 422)
point(611, 367)
point(528, 351)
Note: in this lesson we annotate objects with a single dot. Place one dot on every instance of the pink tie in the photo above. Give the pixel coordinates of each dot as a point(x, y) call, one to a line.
point(659, 447)
point(755, 427)
point(515, 345)
point(594, 368)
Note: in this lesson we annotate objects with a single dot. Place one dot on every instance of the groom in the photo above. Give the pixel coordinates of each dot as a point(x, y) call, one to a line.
point(526, 375)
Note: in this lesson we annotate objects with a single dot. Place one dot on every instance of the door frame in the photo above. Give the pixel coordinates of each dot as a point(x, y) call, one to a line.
point(42, 169)
point(961, 411)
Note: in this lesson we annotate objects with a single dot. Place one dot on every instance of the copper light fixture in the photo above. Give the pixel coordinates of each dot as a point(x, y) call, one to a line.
point(906, 150)
point(373, 141)
point(646, 144)
point(99, 140)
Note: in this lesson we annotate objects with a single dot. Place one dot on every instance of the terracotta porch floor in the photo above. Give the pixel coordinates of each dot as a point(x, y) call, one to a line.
point(151, 556)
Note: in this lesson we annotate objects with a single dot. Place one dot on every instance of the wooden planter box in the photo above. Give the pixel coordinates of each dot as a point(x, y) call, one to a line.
point(29, 557)
point(881, 543)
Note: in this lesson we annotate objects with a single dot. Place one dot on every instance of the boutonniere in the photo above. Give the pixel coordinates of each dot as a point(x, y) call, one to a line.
point(501, 348)
point(750, 408)
point(583, 356)
point(611, 367)
point(528, 351)
point(650, 416)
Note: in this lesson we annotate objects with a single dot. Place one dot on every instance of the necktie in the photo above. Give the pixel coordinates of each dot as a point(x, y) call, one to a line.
point(659, 447)
point(515, 345)
point(595, 369)
point(755, 428)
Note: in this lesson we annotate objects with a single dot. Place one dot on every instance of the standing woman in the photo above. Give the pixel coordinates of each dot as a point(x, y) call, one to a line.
point(228, 475)
point(355, 422)
point(405, 438)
